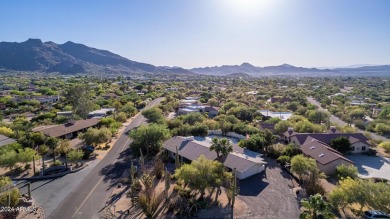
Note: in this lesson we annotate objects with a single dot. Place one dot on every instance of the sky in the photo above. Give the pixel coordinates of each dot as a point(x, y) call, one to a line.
point(198, 33)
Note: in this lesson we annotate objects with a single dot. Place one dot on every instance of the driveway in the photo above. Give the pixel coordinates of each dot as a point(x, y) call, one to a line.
point(269, 195)
point(371, 166)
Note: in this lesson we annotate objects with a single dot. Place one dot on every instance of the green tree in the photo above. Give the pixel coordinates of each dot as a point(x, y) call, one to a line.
point(6, 131)
point(79, 96)
point(303, 166)
point(344, 171)
point(149, 138)
point(129, 109)
point(121, 117)
point(193, 118)
point(95, 136)
point(26, 155)
point(63, 146)
point(74, 156)
point(316, 208)
point(221, 146)
point(386, 146)
point(282, 126)
point(154, 115)
point(341, 144)
point(201, 174)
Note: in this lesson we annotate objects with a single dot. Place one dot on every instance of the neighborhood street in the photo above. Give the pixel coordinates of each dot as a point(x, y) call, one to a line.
point(84, 194)
point(338, 121)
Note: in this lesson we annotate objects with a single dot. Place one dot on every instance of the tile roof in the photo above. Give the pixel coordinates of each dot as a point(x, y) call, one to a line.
point(328, 137)
point(61, 130)
point(4, 140)
point(321, 152)
point(241, 159)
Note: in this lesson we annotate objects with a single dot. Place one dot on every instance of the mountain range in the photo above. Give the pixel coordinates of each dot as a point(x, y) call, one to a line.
point(71, 58)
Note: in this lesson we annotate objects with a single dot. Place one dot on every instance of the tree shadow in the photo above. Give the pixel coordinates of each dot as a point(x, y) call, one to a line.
point(125, 153)
point(113, 171)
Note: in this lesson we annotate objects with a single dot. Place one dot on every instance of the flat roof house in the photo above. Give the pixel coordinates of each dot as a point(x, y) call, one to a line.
point(246, 162)
point(68, 130)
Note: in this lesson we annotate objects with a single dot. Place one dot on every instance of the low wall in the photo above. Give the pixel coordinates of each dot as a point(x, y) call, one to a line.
point(51, 176)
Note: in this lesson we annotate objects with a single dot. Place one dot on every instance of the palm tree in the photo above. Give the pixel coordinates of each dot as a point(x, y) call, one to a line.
point(315, 208)
point(221, 146)
point(226, 147)
point(216, 146)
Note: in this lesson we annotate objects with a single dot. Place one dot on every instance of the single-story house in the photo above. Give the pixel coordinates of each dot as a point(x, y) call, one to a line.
point(359, 142)
point(280, 115)
point(211, 110)
point(246, 162)
point(65, 113)
point(68, 130)
point(327, 158)
point(4, 140)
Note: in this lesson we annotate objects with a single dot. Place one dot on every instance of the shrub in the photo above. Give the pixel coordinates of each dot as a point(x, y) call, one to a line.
point(176, 187)
point(185, 193)
point(344, 171)
point(386, 146)
point(56, 163)
point(284, 159)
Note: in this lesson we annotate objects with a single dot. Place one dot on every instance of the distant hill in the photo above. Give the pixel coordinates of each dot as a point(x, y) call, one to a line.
point(255, 71)
point(290, 70)
point(69, 58)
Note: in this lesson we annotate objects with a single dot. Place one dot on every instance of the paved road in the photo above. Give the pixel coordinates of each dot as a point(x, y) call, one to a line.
point(268, 195)
point(84, 194)
point(340, 122)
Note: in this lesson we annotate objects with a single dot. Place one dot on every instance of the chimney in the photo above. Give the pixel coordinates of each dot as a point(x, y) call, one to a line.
point(333, 129)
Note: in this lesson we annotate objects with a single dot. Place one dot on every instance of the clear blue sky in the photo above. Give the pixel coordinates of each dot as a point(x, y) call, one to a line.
point(195, 33)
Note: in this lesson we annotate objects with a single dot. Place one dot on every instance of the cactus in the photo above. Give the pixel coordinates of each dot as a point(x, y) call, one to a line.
point(132, 172)
point(142, 160)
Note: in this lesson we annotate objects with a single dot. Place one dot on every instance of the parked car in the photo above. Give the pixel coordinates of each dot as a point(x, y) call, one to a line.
point(89, 148)
point(375, 214)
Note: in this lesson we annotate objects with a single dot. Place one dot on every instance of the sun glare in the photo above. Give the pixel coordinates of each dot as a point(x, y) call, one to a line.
point(249, 6)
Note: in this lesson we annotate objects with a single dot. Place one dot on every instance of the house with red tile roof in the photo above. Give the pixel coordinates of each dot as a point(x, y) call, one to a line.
point(359, 142)
point(317, 146)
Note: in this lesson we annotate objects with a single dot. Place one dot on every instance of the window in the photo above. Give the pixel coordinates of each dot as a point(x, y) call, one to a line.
point(363, 148)
point(352, 148)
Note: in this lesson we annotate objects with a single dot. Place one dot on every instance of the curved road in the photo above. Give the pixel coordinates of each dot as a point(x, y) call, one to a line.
point(340, 122)
point(84, 194)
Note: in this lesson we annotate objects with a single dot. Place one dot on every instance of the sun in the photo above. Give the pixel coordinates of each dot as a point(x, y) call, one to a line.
point(249, 6)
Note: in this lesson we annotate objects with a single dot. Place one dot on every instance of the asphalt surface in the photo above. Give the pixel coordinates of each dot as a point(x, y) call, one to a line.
point(83, 195)
point(340, 122)
point(269, 195)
